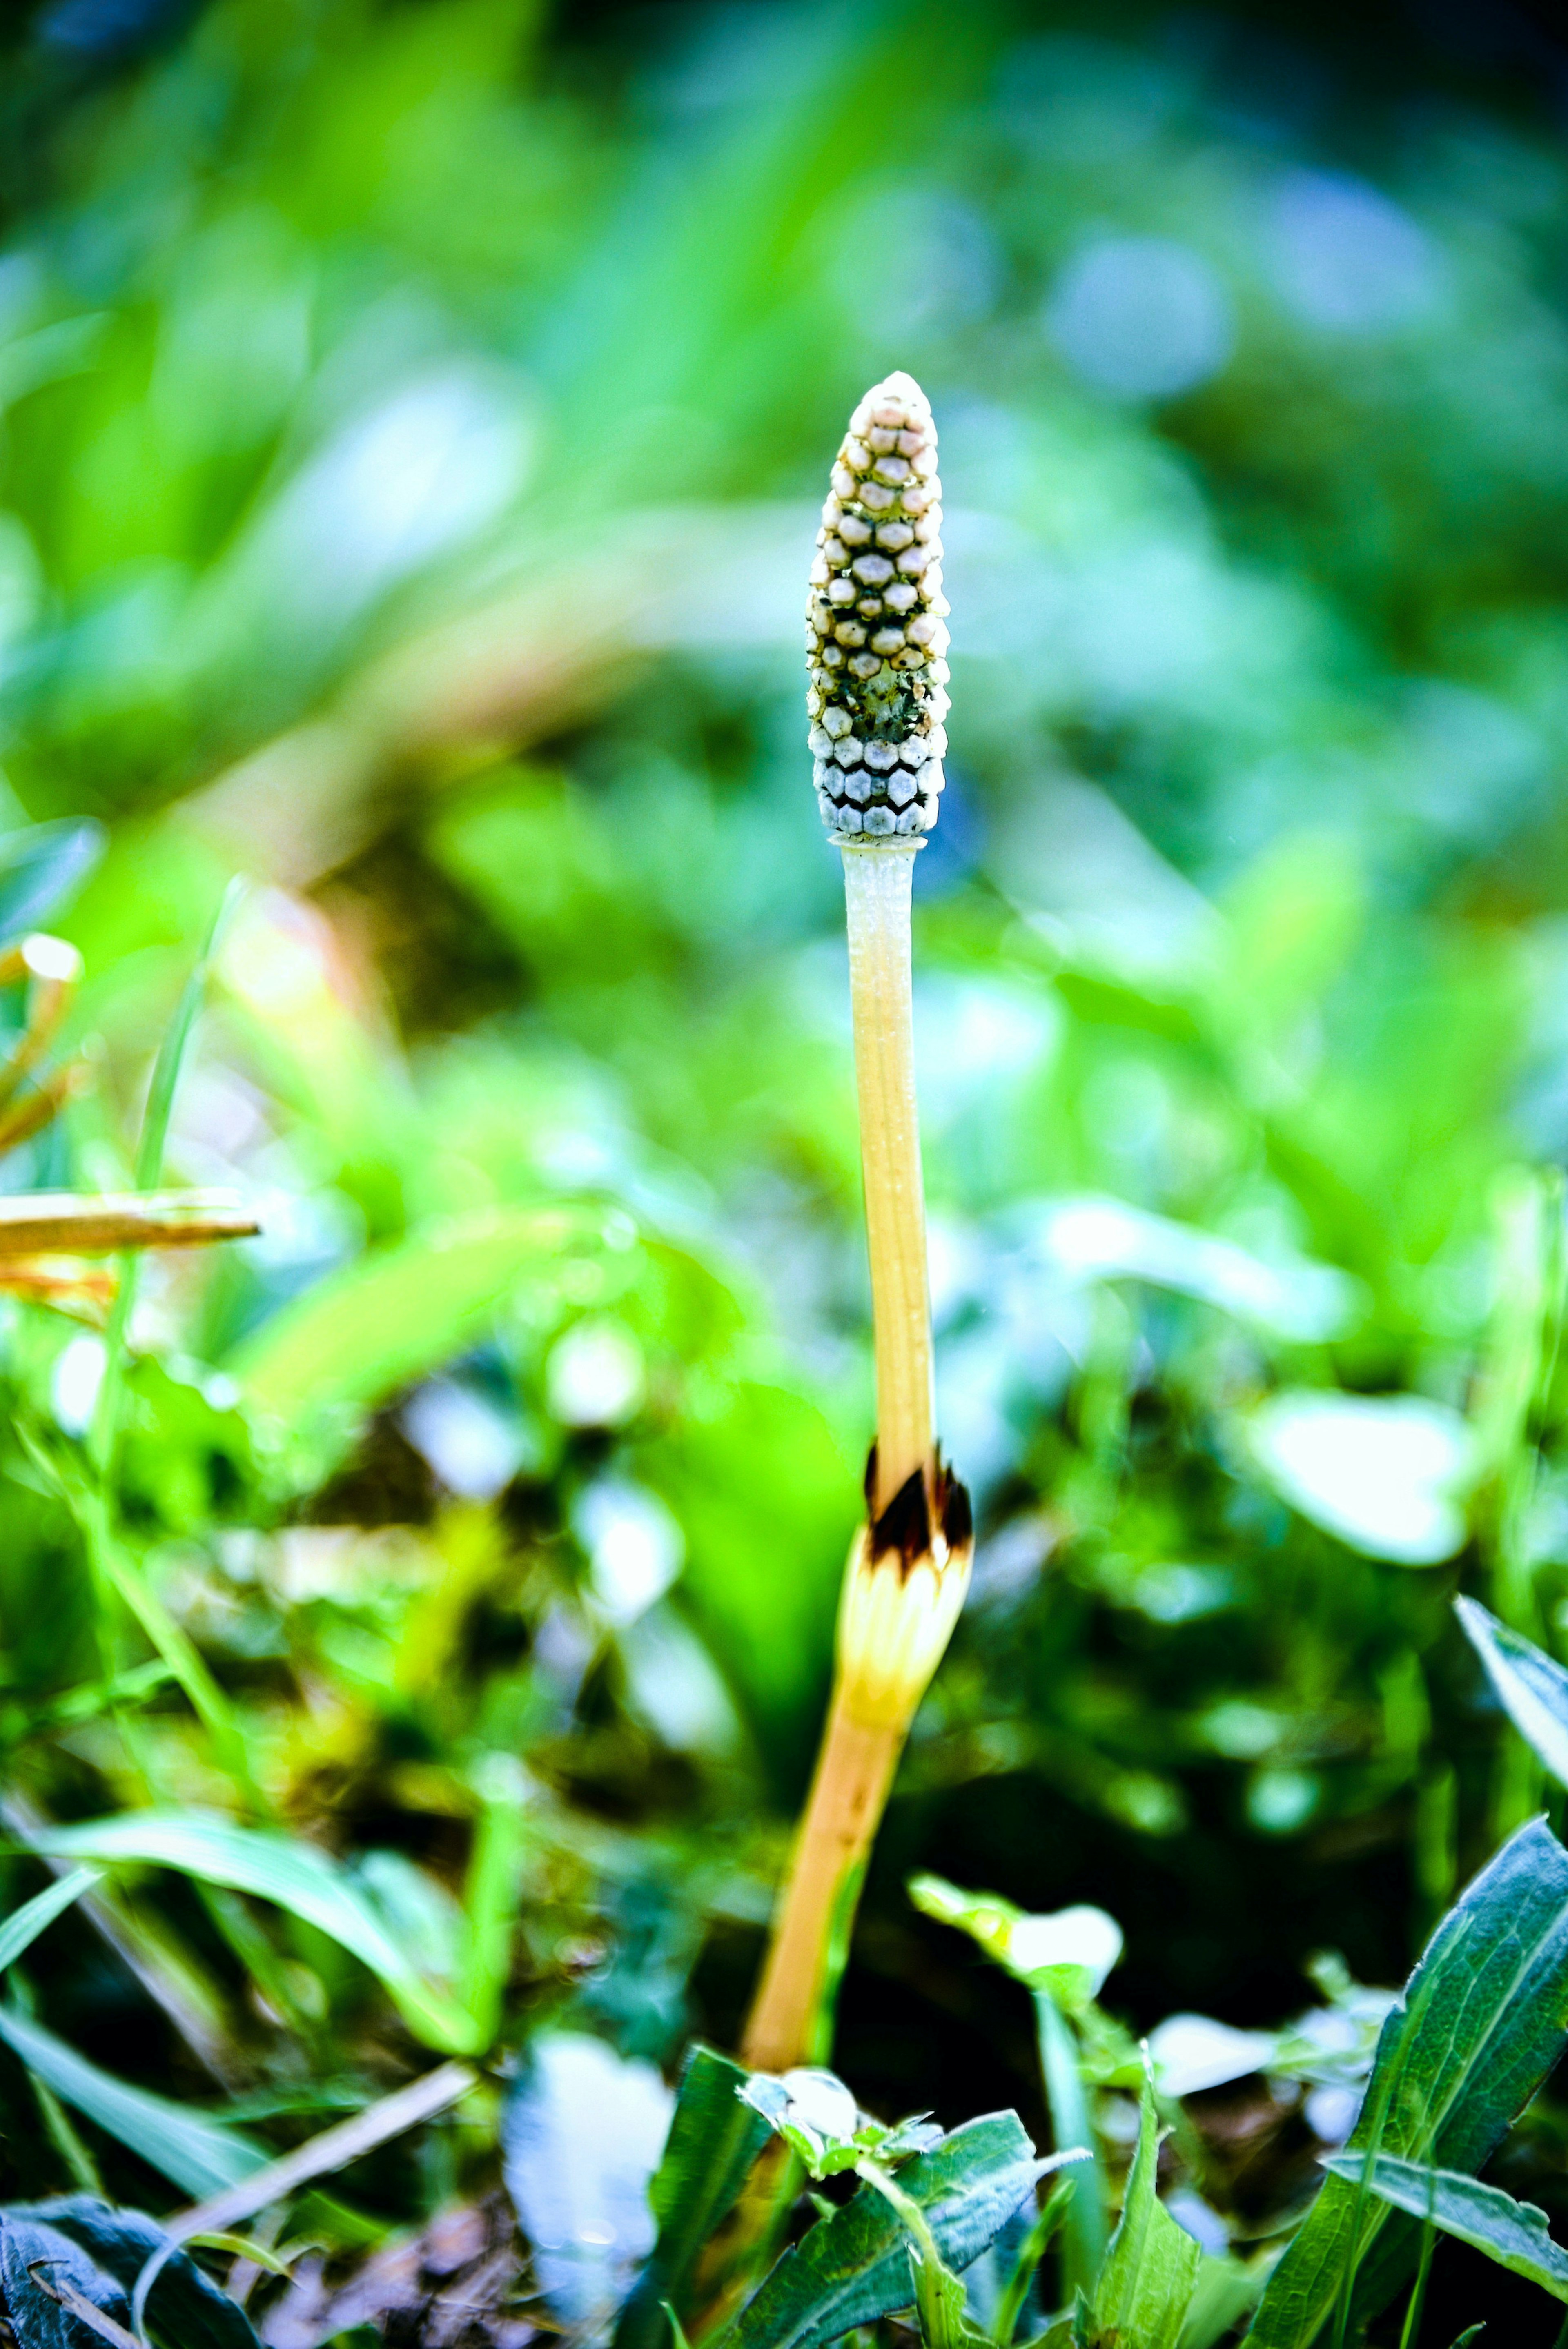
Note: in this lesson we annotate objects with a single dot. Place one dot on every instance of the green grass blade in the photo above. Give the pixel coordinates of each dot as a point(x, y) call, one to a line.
point(1085, 2233)
point(491, 1896)
point(1035, 2245)
point(24, 1925)
point(105, 1432)
point(1531, 1689)
point(198, 2154)
point(282, 1870)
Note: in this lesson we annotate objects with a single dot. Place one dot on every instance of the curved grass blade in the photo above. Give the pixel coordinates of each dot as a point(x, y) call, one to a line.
point(24, 1925)
point(104, 1433)
point(295, 1876)
point(1530, 1688)
point(197, 2153)
point(1514, 2234)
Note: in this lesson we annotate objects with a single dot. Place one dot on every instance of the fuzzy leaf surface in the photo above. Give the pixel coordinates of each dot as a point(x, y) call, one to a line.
point(1483, 2019)
point(38, 2319)
point(853, 2268)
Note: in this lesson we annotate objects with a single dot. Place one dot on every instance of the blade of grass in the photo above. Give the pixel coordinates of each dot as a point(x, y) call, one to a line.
point(24, 1925)
point(294, 1875)
point(170, 1977)
point(1032, 2250)
point(198, 2153)
point(1410, 2331)
point(105, 1432)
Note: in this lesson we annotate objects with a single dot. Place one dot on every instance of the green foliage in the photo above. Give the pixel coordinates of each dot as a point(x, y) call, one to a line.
point(1143, 2291)
point(1484, 2019)
point(1531, 1689)
point(199, 2153)
point(409, 421)
point(285, 1871)
point(1514, 2234)
point(714, 2138)
point(852, 2266)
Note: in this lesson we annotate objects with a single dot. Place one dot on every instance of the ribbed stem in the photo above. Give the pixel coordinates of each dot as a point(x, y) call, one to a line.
point(848, 1792)
point(876, 888)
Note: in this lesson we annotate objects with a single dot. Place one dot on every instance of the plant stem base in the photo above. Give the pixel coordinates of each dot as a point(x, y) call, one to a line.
point(792, 2017)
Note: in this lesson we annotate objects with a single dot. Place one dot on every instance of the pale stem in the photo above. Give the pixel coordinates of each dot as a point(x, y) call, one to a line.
point(791, 2016)
point(853, 1772)
point(877, 885)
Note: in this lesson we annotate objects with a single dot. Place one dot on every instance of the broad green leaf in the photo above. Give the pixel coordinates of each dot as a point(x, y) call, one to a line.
point(1192, 2052)
point(185, 2307)
point(1141, 2297)
point(280, 1868)
point(41, 866)
point(24, 1925)
point(852, 2267)
point(1513, 2233)
point(397, 1314)
point(1084, 1238)
point(714, 2140)
point(1530, 1688)
point(199, 2153)
point(1483, 2019)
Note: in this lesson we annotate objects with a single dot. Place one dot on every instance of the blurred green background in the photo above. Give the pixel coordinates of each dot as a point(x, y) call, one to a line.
point(413, 419)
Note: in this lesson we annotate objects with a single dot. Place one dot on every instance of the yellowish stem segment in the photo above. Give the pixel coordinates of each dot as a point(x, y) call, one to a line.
point(877, 884)
point(867, 1719)
point(854, 1773)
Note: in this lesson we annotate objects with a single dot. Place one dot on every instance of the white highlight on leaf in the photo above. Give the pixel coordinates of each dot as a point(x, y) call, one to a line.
point(635, 1548)
point(1384, 1472)
point(1192, 2052)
